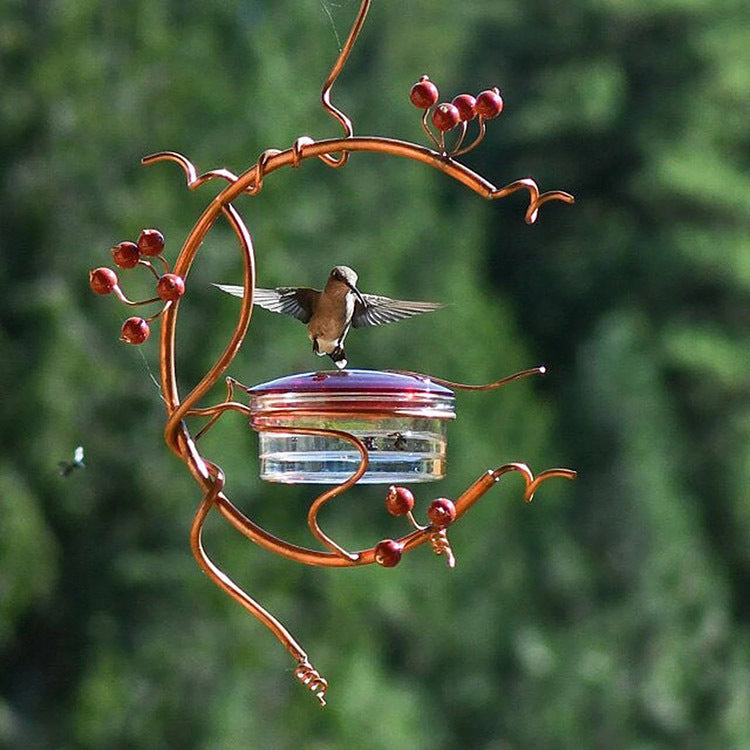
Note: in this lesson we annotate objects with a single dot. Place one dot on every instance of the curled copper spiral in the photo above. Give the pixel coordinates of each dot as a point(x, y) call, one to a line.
point(312, 680)
point(441, 546)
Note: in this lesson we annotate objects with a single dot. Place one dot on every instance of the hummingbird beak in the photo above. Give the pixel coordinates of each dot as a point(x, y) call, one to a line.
point(357, 292)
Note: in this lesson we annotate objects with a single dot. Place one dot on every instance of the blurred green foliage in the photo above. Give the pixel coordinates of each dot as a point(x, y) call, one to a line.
point(613, 612)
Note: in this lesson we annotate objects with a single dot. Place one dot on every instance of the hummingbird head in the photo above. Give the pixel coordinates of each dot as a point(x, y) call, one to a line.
point(347, 276)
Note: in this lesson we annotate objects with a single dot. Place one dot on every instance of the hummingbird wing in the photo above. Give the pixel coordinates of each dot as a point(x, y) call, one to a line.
point(287, 300)
point(381, 310)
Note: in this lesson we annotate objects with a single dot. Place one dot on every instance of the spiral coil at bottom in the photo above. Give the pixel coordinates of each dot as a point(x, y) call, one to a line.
point(441, 546)
point(312, 680)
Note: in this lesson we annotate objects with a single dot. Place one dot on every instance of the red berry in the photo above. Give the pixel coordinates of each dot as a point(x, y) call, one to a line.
point(126, 254)
point(423, 93)
point(446, 117)
point(151, 242)
point(170, 287)
point(102, 280)
point(489, 104)
point(442, 512)
point(388, 553)
point(399, 501)
point(134, 331)
point(465, 104)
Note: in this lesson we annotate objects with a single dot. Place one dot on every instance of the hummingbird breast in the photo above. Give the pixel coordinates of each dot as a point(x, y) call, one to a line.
point(331, 318)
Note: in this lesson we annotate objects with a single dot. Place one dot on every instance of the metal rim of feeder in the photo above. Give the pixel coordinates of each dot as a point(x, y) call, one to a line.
point(357, 393)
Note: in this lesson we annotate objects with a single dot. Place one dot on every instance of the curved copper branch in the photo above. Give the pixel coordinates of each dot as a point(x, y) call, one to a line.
point(214, 412)
point(428, 130)
point(132, 303)
point(148, 264)
point(321, 500)
point(175, 408)
point(535, 198)
point(475, 142)
point(325, 95)
point(488, 480)
point(463, 387)
point(307, 556)
point(460, 139)
point(304, 672)
point(532, 484)
point(392, 147)
point(223, 581)
point(193, 179)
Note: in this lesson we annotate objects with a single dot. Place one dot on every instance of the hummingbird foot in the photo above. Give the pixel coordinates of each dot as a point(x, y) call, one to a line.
point(339, 357)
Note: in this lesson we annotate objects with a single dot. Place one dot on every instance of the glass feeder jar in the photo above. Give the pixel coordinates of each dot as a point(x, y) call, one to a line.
point(400, 418)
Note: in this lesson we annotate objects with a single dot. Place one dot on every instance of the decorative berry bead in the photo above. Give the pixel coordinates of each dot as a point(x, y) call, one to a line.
point(489, 104)
point(466, 106)
point(170, 287)
point(135, 331)
point(442, 512)
point(388, 553)
point(423, 93)
point(446, 116)
point(102, 280)
point(126, 254)
point(151, 242)
point(399, 501)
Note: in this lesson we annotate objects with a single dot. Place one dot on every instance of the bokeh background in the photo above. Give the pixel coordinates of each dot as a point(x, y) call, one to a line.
point(612, 612)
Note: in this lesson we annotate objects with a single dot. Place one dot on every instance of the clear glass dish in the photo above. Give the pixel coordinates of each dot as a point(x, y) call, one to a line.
point(400, 418)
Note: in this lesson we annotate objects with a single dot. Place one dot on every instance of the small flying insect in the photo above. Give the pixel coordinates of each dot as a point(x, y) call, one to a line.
point(399, 441)
point(369, 441)
point(66, 468)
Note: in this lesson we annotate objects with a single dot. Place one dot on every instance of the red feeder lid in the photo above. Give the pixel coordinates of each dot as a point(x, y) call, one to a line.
point(352, 393)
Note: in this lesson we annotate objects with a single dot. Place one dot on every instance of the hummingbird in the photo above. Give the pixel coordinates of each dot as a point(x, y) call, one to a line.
point(331, 313)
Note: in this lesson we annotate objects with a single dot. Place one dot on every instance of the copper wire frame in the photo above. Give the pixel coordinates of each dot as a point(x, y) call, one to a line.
point(208, 475)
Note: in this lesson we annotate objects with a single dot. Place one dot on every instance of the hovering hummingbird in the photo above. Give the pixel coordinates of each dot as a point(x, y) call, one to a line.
point(331, 313)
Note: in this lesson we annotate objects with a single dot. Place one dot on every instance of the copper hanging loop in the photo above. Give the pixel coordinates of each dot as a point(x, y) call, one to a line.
point(325, 95)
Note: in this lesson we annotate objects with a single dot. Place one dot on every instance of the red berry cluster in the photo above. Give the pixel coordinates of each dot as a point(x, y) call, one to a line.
point(169, 286)
point(399, 501)
point(460, 111)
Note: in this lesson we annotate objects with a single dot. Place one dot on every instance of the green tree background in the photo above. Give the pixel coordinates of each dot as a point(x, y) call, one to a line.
point(613, 612)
